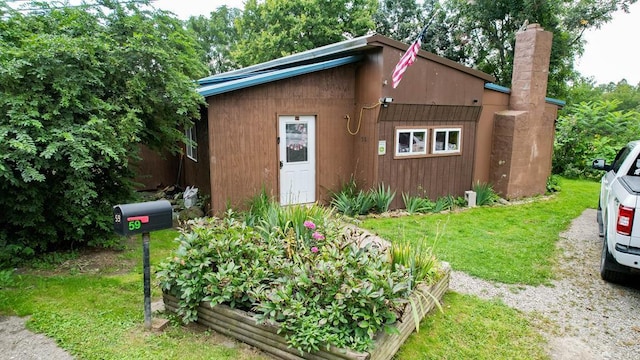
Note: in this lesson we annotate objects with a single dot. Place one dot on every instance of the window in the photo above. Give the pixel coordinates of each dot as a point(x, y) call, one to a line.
point(446, 141)
point(297, 142)
point(192, 145)
point(411, 142)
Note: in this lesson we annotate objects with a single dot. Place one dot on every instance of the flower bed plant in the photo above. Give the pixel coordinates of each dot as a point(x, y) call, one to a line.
point(294, 267)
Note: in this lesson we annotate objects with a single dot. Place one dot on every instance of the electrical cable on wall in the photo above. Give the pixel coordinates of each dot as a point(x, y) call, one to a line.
point(353, 133)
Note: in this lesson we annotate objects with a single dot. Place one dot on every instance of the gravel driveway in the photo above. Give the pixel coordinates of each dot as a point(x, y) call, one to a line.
point(585, 318)
point(593, 319)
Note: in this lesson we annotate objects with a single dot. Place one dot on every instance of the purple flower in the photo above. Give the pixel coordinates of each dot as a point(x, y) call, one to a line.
point(314, 249)
point(309, 225)
point(316, 235)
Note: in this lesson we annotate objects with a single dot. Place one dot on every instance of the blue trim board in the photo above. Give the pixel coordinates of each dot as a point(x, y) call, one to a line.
point(248, 80)
point(506, 90)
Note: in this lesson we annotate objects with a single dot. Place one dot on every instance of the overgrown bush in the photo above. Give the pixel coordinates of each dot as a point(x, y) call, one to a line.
point(318, 285)
point(80, 91)
point(588, 131)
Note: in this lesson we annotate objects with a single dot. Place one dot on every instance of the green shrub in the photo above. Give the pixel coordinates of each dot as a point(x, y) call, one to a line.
point(588, 131)
point(553, 184)
point(417, 258)
point(349, 201)
point(327, 292)
point(416, 204)
point(382, 198)
point(485, 195)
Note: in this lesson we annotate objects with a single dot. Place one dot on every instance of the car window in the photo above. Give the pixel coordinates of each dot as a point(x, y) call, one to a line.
point(622, 155)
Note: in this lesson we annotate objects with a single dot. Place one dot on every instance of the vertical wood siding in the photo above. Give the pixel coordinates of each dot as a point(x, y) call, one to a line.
point(243, 132)
point(197, 173)
point(155, 171)
point(432, 176)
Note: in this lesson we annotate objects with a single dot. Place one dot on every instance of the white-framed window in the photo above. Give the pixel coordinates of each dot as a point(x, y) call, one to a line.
point(446, 140)
point(411, 141)
point(192, 145)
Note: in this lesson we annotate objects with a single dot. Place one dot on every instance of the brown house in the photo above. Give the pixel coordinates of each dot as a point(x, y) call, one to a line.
point(302, 125)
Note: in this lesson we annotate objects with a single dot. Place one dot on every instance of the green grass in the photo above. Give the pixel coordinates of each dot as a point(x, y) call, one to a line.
point(509, 244)
point(470, 328)
point(101, 316)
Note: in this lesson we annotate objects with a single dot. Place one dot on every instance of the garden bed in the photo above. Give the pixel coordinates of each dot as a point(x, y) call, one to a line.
point(242, 326)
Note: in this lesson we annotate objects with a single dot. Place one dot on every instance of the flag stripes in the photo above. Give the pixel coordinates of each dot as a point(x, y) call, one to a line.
point(405, 61)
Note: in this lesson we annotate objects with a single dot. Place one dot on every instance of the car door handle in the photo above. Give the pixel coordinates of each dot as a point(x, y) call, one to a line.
point(281, 164)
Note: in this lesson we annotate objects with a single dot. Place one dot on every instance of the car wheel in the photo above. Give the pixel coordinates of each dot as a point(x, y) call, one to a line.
point(607, 264)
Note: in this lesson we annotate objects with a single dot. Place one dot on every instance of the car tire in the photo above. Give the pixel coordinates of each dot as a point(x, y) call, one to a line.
point(608, 264)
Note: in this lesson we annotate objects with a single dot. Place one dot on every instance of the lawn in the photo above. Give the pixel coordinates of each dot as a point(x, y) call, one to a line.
point(98, 314)
point(512, 244)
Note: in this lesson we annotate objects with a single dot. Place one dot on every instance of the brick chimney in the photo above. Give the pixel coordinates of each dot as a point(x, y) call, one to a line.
point(523, 135)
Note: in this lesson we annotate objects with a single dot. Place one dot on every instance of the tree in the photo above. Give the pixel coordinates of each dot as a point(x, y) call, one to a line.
point(276, 28)
point(80, 89)
point(481, 33)
point(401, 20)
point(591, 130)
point(216, 36)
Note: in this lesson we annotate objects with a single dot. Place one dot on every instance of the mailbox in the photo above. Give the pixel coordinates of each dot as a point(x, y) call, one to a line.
point(137, 218)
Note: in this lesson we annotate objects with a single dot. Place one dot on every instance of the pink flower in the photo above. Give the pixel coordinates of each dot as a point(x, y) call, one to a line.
point(316, 235)
point(314, 249)
point(309, 225)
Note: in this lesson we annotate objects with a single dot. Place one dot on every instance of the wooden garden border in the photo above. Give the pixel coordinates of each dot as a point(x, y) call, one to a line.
point(242, 326)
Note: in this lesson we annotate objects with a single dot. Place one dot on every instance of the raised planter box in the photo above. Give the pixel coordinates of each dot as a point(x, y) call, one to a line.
point(242, 326)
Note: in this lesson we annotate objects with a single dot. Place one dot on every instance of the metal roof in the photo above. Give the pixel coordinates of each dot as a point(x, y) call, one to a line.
point(320, 58)
point(231, 83)
point(339, 49)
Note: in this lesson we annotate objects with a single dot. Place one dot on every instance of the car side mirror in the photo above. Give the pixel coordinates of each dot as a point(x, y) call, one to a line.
point(600, 164)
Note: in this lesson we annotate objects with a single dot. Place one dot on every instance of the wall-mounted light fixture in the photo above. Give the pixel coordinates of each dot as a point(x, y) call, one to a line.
point(386, 101)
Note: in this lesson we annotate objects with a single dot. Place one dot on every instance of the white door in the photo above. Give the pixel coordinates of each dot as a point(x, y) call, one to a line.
point(297, 159)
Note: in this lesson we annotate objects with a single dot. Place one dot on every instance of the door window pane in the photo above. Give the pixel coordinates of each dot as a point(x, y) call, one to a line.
point(297, 142)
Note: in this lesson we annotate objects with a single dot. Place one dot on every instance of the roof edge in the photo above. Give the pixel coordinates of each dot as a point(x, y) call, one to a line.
point(269, 76)
point(291, 60)
point(506, 90)
point(377, 38)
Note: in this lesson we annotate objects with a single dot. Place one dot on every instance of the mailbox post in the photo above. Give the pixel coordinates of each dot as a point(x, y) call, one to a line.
point(142, 218)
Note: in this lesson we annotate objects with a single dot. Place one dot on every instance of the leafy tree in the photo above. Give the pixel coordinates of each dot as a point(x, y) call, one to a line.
point(80, 89)
point(276, 28)
point(401, 20)
point(628, 95)
point(585, 90)
point(216, 36)
point(591, 130)
point(481, 33)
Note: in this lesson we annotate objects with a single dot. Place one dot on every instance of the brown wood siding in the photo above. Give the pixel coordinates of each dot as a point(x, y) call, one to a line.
point(368, 93)
point(243, 131)
point(197, 173)
point(432, 176)
point(155, 171)
point(429, 82)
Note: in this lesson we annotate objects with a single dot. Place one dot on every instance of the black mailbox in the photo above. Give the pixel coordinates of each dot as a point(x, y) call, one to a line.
point(136, 218)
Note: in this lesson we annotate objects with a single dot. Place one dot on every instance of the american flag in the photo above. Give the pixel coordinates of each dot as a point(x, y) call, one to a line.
point(406, 60)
